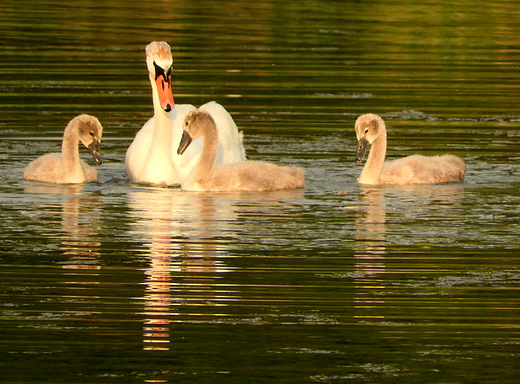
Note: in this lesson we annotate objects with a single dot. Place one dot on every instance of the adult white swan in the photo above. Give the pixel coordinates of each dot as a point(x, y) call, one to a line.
point(415, 169)
point(152, 158)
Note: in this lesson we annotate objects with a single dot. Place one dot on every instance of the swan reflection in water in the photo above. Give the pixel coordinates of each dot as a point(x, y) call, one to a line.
point(383, 222)
point(80, 223)
point(370, 248)
point(186, 239)
point(370, 233)
point(180, 239)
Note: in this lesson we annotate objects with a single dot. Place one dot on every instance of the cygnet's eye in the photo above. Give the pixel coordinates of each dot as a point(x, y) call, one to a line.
point(92, 133)
point(366, 131)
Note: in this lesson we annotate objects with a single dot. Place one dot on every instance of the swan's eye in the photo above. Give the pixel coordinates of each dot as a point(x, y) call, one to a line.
point(158, 71)
point(169, 72)
point(366, 131)
point(92, 134)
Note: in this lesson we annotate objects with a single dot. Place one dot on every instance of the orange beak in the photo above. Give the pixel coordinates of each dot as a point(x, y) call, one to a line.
point(164, 88)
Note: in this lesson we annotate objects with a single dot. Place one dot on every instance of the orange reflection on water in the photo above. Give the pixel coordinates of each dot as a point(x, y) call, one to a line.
point(178, 230)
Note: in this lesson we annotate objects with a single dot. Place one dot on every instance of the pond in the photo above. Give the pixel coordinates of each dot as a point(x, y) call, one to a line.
point(113, 282)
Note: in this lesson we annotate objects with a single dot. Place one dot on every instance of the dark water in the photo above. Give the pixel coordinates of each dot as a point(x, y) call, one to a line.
point(110, 282)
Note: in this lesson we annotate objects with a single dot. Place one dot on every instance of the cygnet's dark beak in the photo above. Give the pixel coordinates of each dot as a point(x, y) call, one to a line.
point(363, 145)
point(185, 143)
point(94, 148)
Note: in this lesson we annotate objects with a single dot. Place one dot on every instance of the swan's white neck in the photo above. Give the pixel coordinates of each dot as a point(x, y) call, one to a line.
point(376, 158)
point(158, 169)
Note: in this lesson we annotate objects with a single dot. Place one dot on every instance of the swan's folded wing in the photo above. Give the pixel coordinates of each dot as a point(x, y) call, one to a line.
point(230, 147)
point(138, 150)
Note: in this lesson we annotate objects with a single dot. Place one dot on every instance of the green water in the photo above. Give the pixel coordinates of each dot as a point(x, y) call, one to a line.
point(110, 282)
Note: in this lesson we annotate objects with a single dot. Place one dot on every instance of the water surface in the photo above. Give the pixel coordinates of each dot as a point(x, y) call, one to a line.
point(113, 282)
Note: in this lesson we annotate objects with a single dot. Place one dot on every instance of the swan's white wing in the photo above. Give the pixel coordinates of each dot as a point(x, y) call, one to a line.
point(138, 150)
point(230, 148)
